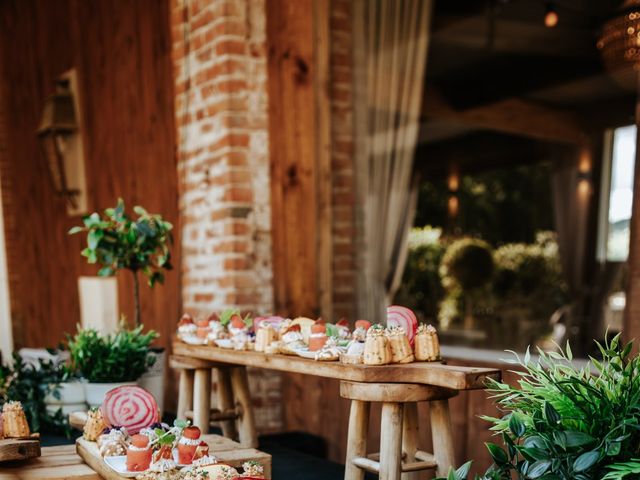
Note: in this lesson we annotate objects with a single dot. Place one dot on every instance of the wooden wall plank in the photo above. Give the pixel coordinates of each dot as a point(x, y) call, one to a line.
point(121, 51)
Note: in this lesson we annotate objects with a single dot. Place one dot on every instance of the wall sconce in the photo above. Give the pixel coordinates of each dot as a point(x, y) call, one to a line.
point(59, 135)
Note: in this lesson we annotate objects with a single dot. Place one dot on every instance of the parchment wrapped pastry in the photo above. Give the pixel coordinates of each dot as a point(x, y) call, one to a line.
point(14, 421)
point(376, 347)
point(264, 336)
point(94, 426)
point(399, 344)
point(427, 345)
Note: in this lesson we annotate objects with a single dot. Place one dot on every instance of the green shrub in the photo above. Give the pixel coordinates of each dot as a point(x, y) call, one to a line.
point(569, 423)
point(467, 263)
point(122, 357)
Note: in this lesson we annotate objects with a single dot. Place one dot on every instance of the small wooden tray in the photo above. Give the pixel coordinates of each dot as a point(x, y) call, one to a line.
point(225, 450)
point(19, 448)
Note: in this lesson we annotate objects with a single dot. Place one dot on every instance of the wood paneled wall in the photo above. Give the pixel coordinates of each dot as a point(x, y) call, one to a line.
point(121, 51)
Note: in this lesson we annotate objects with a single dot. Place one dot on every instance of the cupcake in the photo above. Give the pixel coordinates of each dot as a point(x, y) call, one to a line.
point(376, 347)
point(14, 421)
point(94, 426)
point(401, 351)
point(188, 444)
point(427, 345)
point(264, 336)
point(139, 454)
point(318, 337)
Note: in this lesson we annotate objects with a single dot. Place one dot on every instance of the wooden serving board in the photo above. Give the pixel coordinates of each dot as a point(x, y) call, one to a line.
point(225, 450)
point(19, 449)
point(55, 463)
point(422, 373)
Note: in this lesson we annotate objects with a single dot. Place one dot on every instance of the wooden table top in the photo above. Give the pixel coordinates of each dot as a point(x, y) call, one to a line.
point(424, 373)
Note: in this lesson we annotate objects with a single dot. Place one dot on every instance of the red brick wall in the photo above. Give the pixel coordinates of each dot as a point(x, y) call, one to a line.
point(221, 111)
point(344, 231)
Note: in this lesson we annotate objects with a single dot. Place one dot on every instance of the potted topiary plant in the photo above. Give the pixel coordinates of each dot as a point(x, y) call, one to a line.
point(108, 361)
point(115, 241)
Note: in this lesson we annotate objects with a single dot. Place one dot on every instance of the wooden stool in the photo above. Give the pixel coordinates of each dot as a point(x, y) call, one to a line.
point(234, 412)
point(399, 456)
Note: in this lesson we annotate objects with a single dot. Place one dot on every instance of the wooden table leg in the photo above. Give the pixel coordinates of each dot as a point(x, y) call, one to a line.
point(391, 441)
point(357, 438)
point(410, 436)
point(442, 436)
point(240, 385)
point(202, 399)
point(225, 402)
point(185, 392)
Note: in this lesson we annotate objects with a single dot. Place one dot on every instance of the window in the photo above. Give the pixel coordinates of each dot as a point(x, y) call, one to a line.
point(617, 194)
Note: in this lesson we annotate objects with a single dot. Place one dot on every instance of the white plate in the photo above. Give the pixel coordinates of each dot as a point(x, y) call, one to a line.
point(193, 340)
point(224, 342)
point(306, 354)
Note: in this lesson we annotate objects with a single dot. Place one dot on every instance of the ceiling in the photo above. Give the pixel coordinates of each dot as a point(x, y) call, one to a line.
point(495, 69)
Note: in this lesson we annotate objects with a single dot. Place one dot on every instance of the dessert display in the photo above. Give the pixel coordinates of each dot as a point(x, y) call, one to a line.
point(94, 426)
point(427, 345)
point(401, 351)
point(376, 347)
point(399, 341)
point(14, 421)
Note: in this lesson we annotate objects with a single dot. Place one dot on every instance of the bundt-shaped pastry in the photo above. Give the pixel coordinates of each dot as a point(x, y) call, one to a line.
point(94, 426)
point(376, 347)
point(14, 421)
point(427, 345)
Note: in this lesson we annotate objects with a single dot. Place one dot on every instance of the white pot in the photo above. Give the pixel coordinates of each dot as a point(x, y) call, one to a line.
point(153, 380)
point(67, 408)
point(71, 393)
point(95, 392)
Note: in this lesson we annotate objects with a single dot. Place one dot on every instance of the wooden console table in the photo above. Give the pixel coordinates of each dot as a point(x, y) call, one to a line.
point(196, 362)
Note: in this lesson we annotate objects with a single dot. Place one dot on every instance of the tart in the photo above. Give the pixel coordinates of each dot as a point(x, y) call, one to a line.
point(94, 426)
point(427, 345)
point(188, 444)
point(139, 453)
point(376, 347)
point(401, 351)
point(318, 337)
point(14, 421)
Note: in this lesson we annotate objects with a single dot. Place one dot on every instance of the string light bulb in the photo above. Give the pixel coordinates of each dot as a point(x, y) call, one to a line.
point(551, 16)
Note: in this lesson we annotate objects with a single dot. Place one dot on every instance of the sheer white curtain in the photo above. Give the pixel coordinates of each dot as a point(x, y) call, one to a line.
point(391, 39)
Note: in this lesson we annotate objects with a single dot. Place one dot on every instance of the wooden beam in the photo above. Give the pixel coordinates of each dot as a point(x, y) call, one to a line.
point(299, 141)
point(515, 116)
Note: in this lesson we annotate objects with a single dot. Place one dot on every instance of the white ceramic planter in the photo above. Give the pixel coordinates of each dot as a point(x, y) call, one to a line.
point(71, 393)
point(153, 380)
point(95, 392)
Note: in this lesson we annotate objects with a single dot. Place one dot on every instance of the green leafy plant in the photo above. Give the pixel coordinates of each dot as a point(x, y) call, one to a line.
point(30, 385)
point(116, 242)
point(564, 422)
point(121, 357)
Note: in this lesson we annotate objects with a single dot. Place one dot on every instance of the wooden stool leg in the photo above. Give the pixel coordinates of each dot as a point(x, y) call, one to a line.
point(442, 436)
point(185, 392)
point(391, 441)
point(202, 399)
point(240, 384)
point(225, 402)
point(410, 436)
point(357, 438)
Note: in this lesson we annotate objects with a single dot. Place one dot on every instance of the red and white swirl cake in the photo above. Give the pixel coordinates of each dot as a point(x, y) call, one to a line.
point(130, 407)
point(403, 317)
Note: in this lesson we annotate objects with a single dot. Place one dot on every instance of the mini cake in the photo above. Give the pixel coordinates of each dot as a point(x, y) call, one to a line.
point(427, 345)
point(330, 351)
point(364, 324)
point(264, 336)
point(163, 453)
point(216, 331)
point(14, 421)
point(355, 348)
point(139, 454)
point(343, 328)
point(94, 426)
point(188, 444)
point(113, 442)
point(318, 337)
point(401, 351)
point(203, 329)
point(376, 347)
point(186, 327)
point(253, 469)
point(305, 326)
point(292, 340)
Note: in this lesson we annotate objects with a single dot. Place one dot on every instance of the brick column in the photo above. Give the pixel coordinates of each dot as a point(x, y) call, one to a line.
point(221, 120)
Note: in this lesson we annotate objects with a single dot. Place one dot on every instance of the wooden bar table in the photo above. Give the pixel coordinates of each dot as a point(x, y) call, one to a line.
point(421, 381)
